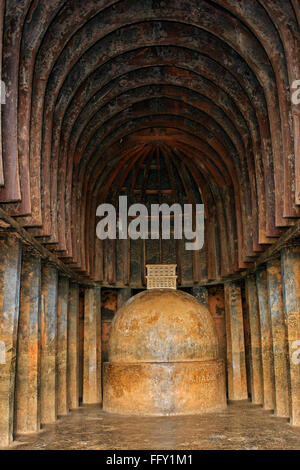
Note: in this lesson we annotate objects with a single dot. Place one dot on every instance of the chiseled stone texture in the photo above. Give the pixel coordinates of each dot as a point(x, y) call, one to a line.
point(201, 294)
point(49, 344)
point(62, 345)
point(279, 337)
point(236, 365)
point(27, 402)
point(290, 258)
point(257, 393)
point(10, 272)
point(162, 325)
point(73, 347)
point(266, 340)
point(92, 346)
point(168, 388)
point(163, 357)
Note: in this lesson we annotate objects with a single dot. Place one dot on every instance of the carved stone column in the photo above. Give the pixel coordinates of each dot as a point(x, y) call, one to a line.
point(27, 412)
point(266, 340)
point(257, 394)
point(92, 346)
point(279, 335)
point(62, 345)
point(48, 344)
point(2, 9)
point(73, 347)
point(236, 365)
point(10, 273)
point(290, 258)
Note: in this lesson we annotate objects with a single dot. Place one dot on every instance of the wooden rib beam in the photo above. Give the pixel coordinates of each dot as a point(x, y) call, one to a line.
point(43, 252)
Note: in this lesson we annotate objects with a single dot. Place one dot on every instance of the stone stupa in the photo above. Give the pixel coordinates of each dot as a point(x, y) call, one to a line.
point(163, 357)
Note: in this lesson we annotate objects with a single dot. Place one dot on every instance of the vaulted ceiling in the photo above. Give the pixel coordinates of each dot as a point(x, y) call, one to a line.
point(96, 89)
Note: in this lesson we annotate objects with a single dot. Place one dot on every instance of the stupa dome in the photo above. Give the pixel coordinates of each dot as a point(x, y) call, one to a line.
point(163, 325)
point(163, 357)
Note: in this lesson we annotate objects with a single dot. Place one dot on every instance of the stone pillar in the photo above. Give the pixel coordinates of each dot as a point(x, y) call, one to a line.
point(27, 404)
point(10, 272)
point(2, 10)
point(73, 347)
point(266, 340)
point(236, 364)
point(62, 345)
point(123, 296)
point(290, 258)
point(48, 344)
point(279, 335)
point(92, 346)
point(201, 294)
point(257, 394)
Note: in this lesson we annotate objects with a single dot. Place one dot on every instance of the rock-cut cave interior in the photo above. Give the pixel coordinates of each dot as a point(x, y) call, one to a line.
point(138, 342)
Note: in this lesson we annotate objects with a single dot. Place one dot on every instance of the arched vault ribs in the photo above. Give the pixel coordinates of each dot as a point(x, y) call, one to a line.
point(92, 83)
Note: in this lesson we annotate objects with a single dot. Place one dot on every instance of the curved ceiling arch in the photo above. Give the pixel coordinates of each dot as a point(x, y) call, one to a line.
point(93, 84)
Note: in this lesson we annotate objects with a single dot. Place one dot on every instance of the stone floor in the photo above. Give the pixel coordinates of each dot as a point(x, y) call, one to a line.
point(241, 426)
